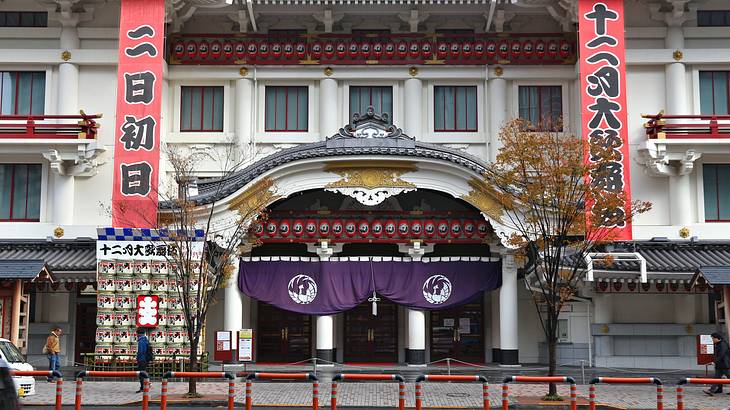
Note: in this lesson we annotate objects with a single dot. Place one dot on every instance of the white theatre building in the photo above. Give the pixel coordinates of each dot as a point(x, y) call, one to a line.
point(278, 82)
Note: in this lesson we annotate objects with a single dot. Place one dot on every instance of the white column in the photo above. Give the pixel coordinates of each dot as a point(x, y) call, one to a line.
point(233, 307)
point(413, 120)
point(328, 108)
point(63, 198)
point(416, 353)
point(508, 320)
point(680, 210)
point(325, 343)
point(244, 112)
point(497, 113)
point(68, 74)
point(494, 312)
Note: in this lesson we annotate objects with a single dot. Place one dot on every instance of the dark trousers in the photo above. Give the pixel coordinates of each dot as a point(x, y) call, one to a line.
point(142, 367)
point(719, 374)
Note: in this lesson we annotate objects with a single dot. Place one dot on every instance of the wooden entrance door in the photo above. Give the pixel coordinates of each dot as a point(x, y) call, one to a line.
point(371, 338)
point(283, 336)
point(85, 329)
point(458, 333)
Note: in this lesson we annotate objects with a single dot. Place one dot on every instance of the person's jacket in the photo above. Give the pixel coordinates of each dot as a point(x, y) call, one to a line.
point(143, 343)
point(52, 344)
point(722, 355)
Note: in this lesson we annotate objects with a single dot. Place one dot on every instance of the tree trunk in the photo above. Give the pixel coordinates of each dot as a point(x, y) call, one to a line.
point(192, 386)
point(552, 363)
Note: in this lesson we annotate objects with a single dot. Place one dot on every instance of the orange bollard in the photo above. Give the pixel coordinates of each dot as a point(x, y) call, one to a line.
point(146, 394)
point(333, 397)
point(231, 394)
point(401, 395)
point(77, 402)
point(505, 396)
point(592, 397)
point(59, 393)
point(573, 397)
point(315, 395)
point(418, 395)
point(680, 397)
point(248, 395)
point(659, 397)
point(163, 395)
point(485, 395)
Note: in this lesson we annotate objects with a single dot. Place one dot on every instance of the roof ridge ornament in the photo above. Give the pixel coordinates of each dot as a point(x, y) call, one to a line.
point(370, 125)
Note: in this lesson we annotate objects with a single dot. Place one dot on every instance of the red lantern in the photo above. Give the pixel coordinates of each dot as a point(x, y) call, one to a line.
point(240, 50)
point(565, 48)
point(390, 228)
point(300, 49)
point(454, 49)
point(324, 228)
point(482, 229)
point(271, 228)
point(311, 228)
point(644, 286)
point(467, 49)
point(631, 286)
point(316, 50)
point(284, 228)
point(403, 228)
point(426, 49)
point(617, 286)
point(363, 228)
point(297, 228)
point(414, 49)
point(191, 48)
point(416, 228)
point(659, 286)
point(378, 50)
point(429, 228)
point(216, 49)
point(527, 48)
point(258, 229)
point(442, 228)
point(442, 50)
point(491, 49)
point(365, 49)
point(602, 286)
point(350, 228)
point(401, 49)
point(328, 50)
point(377, 228)
point(252, 49)
point(288, 50)
point(263, 50)
point(353, 50)
point(469, 228)
point(479, 49)
point(389, 50)
point(276, 50)
point(341, 50)
point(203, 49)
point(227, 50)
point(540, 48)
point(338, 228)
point(179, 49)
point(503, 49)
point(516, 49)
point(455, 228)
point(552, 49)
point(674, 287)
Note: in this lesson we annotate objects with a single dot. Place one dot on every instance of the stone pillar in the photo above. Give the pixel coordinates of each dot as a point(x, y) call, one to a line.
point(416, 352)
point(15, 312)
point(244, 112)
point(508, 319)
point(328, 108)
point(413, 120)
point(233, 307)
point(497, 113)
point(494, 311)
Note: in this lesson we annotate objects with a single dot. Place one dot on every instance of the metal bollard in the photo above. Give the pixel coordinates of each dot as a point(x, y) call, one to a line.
point(691, 380)
point(96, 373)
point(146, 394)
point(77, 401)
point(48, 373)
point(626, 380)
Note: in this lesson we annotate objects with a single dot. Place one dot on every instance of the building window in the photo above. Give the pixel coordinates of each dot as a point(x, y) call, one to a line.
point(717, 192)
point(20, 192)
point(713, 18)
point(23, 19)
point(542, 107)
point(713, 92)
point(22, 92)
point(201, 109)
point(286, 109)
point(455, 108)
point(380, 98)
point(563, 330)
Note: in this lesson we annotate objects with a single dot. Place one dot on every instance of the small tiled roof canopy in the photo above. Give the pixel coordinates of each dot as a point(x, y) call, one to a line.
point(713, 275)
point(77, 255)
point(25, 269)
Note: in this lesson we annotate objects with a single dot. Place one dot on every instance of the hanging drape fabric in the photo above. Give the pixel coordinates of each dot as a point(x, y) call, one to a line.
point(328, 287)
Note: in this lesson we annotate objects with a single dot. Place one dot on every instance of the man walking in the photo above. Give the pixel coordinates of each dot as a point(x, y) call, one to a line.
point(144, 355)
point(51, 349)
point(722, 362)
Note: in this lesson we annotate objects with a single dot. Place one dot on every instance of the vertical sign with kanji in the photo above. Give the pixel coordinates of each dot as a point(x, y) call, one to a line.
point(603, 101)
point(139, 99)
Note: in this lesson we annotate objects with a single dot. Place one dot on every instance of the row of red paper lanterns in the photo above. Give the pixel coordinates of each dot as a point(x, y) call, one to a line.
point(515, 49)
point(415, 228)
point(633, 286)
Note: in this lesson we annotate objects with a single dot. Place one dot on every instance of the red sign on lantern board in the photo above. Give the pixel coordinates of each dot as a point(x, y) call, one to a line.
point(705, 350)
point(603, 101)
point(147, 310)
point(139, 101)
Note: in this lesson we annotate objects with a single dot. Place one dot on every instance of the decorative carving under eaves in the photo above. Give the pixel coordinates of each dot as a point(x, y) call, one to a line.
point(481, 196)
point(81, 163)
point(370, 125)
point(371, 186)
point(661, 162)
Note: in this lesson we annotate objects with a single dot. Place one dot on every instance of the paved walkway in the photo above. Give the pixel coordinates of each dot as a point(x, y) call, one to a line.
point(376, 394)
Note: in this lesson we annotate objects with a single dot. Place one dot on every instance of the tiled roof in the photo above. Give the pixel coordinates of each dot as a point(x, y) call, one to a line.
point(715, 275)
point(60, 255)
point(673, 256)
point(27, 269)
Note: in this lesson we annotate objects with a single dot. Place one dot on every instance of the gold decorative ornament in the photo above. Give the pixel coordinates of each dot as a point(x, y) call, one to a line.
point(677, 55)
point(413, 71)
point(65, 55)
point(58, 232)
point(483, 198)
point(605, 329)
point(498, 71)
point(243, 71)
point(371, 176)
point(328, 71)
point(259, 193)
point(684, 232)
point(689, 329)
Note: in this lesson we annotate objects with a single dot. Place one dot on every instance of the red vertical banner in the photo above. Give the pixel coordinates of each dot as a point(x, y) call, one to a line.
point(603, 100)
point(139, 101)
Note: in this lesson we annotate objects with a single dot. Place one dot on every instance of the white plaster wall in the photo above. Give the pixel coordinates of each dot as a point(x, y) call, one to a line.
point(648, 308)
point(529, 330)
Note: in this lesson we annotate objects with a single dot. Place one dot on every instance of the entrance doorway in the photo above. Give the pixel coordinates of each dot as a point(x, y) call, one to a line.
point(458, 333)
point(85, 329)
point(283, 336)
point(371, 338)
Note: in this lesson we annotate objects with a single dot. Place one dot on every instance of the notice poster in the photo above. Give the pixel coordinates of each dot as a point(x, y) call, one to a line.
point(464, 325)
point(245, 345)
point(603, 104)
point(448, 322)
point(706, 345)
point(223, 340)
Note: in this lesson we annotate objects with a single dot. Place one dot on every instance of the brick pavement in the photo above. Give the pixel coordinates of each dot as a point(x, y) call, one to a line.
point(376, 394)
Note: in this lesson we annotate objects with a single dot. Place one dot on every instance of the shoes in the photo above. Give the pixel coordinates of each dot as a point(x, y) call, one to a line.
point(707, 392)
point(139, 391)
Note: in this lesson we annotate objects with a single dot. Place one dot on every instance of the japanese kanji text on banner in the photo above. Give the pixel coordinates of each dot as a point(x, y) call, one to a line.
point(139, 89)
point(603, 100)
